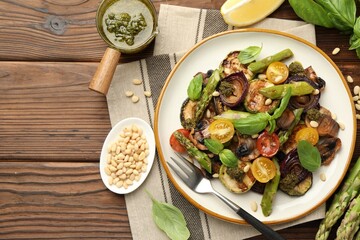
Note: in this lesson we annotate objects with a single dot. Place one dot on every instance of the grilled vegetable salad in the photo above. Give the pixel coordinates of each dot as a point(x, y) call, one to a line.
point(258, 125)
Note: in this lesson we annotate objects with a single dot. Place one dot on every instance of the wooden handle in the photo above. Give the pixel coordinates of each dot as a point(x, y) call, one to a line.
point(105, 71)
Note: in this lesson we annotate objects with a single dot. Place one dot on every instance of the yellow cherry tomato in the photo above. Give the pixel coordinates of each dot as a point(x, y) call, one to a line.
point(309, 134)
point(263, 169)
point(222, 130)
point(277, 72)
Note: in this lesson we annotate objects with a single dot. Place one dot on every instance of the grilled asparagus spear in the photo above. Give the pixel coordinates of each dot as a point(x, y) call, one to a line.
point(341, 201)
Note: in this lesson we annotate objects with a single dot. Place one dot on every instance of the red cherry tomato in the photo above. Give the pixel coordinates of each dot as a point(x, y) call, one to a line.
point(268, 144)
point(174, 143)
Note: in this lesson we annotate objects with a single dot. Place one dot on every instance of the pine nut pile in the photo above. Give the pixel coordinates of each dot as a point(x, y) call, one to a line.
point(127, 157)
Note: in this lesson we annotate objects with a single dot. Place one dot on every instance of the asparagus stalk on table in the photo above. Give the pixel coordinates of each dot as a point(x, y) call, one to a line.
point(350, 223)
point(341, 201)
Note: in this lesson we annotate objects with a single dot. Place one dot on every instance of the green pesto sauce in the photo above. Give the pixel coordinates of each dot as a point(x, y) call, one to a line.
point(128, 23)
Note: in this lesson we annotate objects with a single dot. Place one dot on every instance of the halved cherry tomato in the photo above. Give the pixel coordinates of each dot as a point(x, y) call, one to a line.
point(268, 144)
point(263, 169)
point(221, 130)
point(277, 72)
point(174, 143)
point(309, 134)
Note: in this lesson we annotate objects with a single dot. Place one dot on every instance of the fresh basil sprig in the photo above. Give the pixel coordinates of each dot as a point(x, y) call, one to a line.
point(226, 156)
point(170, 219)
point(331, 14)
point(309, 156)
point(249, 54)
point(255, 123)
point(195, 87)
point(213, 145)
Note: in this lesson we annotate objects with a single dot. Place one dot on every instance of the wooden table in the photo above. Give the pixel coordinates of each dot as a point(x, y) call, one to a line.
point(52, 127)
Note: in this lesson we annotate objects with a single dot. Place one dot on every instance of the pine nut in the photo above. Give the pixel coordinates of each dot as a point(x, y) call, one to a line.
point(107, 171)
point(129, 93)
point(147, 93)
point(316, 92)
point(335, 51)
point(322, 177)
point(349, 79)
point(216, 94)
point(341, 125)
point(357, 106)
point(314, 124)
point(253, 206)
point(134, 99)
point(261, 76)
point(136, 81)
point(358, 116)
point(268, 101)
point(356, 90)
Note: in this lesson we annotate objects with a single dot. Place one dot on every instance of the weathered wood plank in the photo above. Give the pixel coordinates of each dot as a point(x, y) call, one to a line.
point(48, 112)
point(59, 200)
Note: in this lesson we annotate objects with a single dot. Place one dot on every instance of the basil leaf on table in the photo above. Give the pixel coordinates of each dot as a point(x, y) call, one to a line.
point(228, 158)
point(249, 54)
point(195, 87)
point(341, 12)
point(170, 219)
point(213, 145)
point(312, 12)
point(309, 156)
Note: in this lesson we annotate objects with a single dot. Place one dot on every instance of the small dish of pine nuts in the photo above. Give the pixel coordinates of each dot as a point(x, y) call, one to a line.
point(127, 155)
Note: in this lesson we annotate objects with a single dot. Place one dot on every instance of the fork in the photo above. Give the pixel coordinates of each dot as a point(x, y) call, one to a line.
point(194, 178)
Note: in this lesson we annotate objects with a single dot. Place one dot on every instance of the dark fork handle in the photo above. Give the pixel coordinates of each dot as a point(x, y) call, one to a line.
point(268, 232)
point(264, 229)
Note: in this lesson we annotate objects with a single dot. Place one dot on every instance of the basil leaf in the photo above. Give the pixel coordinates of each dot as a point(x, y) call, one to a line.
point(312, 12)
point(309, 155)
point(249, 54)
point(195, 87)
point(228, 158)
point(341, 12)
point(213, 145)
point(252, 124)
point(283, 104)
point(170, 219)
point(355, 37)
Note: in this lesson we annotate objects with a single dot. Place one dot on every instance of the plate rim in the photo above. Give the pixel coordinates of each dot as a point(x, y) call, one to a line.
point(158, 106)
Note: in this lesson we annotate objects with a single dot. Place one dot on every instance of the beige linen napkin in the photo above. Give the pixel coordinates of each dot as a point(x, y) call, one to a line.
point(180, 28)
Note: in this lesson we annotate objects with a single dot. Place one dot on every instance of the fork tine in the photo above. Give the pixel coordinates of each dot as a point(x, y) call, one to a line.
point(180, 164)
point(181, 175)
point(187, 162)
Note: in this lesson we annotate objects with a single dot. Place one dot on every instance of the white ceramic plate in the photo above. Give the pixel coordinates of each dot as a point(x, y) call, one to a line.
point(112, 137)
point(207, 55)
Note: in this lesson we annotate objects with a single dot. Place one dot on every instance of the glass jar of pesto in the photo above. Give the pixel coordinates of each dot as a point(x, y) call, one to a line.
point(127, 25)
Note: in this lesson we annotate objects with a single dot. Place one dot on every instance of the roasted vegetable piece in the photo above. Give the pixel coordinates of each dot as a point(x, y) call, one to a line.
point(340, 202)
point(255, 100)
point(295, 179)
point(187, 113)
point(328, 147)
point(200, 156)
point(238, 179)
point(231, 64)
point(260, 66)
point(233, 89)
point(270, 190)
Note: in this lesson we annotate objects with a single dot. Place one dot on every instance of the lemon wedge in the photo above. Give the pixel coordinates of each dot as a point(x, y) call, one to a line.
point(240, 13)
